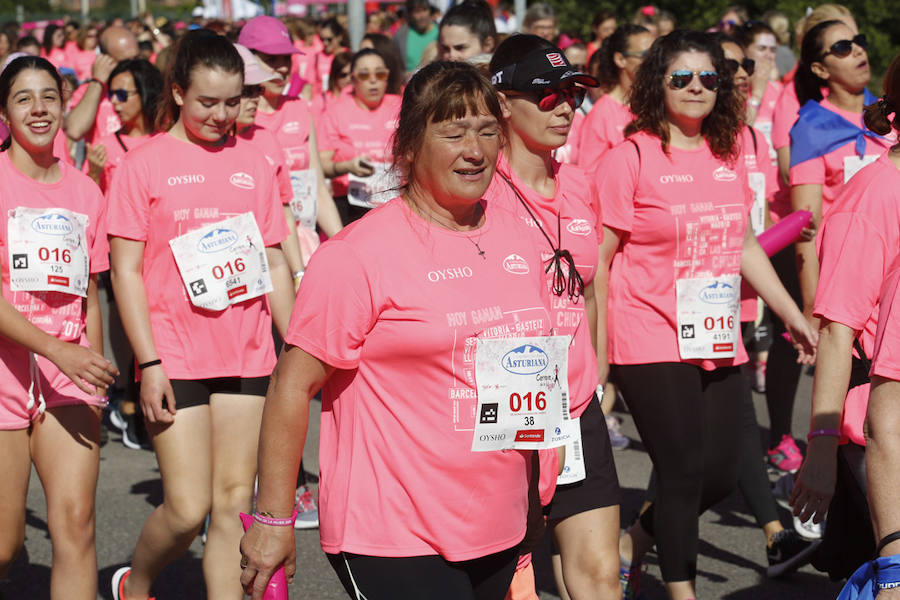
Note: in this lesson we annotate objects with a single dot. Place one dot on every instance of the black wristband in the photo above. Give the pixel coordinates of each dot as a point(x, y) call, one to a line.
point(149, 363)
point(888, 539)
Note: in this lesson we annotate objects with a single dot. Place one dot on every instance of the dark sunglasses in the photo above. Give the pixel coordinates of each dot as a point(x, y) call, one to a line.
point(120, 95)
point(682, 78)
point(549, 99)
point(251, 91)
point(843, 48)
point(748, 63)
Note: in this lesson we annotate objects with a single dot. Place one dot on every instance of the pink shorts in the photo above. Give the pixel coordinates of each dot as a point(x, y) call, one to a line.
point(16, 381)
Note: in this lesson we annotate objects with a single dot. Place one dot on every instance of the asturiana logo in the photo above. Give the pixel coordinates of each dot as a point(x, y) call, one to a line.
point(216, 240)
point(718, 292)
point(525, 360)
point(723, 173)
point(52, 224)
point(579, 227)
point(242, 180)
point(516, 265)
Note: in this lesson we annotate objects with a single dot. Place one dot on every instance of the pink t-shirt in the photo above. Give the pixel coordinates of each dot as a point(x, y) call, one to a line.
point(106, 122)
point(859, 240)
point(828, 170)
point(81, 61)
point(680, 215)
point(569, 152)
point(784, 117)
point(886, 359)
point(604, 127)
point(577, 206)
point(57, 56)
point(271, 149)
point(291, 124)
point(114, 155)
point(61, 147)
point(767, 106)
point(320, 70)
point(167, 188)
point(60, 314)
point(400, 324)
point(351, 130)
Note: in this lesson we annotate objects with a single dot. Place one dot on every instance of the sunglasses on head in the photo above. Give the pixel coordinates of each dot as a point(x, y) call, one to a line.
point(748, 63)
point(251, 91)
point(842, 48)
point(366, 75)
point(120, 95)
point(682, 78)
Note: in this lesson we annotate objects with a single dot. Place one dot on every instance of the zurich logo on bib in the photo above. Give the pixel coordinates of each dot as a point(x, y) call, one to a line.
point(718, 292)
point(52, 224)
point(217, 240)
point(525, 360)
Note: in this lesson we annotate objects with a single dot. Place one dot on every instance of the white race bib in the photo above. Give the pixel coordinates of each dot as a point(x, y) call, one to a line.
point(573, 470)
point(765, 128)
point(523, 391)
point(374, 190)
point(853, 164)
point(223, 263)
point(758, 210)
point(709, 324)
point(306, 192)
point(48, 251)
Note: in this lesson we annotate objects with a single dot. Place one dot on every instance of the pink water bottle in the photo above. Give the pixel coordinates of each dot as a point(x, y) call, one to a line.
point(785, 232)
point(277, 588)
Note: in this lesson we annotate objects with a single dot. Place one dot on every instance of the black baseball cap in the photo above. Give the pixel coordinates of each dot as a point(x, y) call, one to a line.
point(538, 70)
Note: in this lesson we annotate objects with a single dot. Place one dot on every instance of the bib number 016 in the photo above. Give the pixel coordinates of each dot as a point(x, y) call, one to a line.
point(58, 255)
point(517, 402)
point(229, 268)
point(710, 323)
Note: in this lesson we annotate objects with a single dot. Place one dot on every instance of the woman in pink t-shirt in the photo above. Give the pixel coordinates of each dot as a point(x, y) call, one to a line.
point(196, 226)
point(82, 54)
point(675, 203)
point(560, 205)
point(134, 90)
point(759, 44)
point(356, 138)
point(52, 47)
point(393, 316)
point(619, 59)
point(859, 240)
point(52, 373)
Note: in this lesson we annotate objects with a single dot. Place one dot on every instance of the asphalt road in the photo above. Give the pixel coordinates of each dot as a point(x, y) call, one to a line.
point(731, 566)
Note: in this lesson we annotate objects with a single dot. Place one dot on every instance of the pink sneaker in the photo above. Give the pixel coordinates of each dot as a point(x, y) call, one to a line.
point(785, 456)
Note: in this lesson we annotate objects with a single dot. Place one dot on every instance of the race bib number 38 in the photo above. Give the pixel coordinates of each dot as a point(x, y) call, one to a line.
point(223, 263)
point(523, 390)
point(48, 251)
point(709, 316)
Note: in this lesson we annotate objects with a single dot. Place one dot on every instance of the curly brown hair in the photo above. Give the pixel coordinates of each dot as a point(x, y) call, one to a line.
point(722, 125)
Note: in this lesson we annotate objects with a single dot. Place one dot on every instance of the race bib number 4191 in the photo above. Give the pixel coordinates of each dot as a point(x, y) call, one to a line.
point(48, 251)
point(523, 391)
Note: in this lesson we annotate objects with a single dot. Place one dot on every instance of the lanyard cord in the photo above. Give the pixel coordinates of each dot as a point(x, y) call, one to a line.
point(573, 285)
point(121, 143)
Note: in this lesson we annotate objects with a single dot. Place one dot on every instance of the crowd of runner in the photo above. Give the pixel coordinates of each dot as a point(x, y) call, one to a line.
point(470, 239)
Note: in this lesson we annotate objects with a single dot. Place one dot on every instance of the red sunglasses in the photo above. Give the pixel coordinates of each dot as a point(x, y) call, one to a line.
point(548, 99)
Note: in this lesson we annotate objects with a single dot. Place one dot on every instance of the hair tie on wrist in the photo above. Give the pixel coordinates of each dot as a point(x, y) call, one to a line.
point(149, 363)
point(822, 432)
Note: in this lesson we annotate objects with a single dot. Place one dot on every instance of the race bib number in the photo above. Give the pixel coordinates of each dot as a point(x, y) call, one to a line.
point(758, 210)
point(573, 470)
point(765, 128)
point(374, 190)
point(853, 164)
point(523, 391)
point(223, 263)
point(709, 324)
point(303, 203)
point(48, 251)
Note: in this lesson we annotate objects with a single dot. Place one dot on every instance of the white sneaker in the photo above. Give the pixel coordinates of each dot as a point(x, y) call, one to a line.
point(307, 509)
point(809, 530)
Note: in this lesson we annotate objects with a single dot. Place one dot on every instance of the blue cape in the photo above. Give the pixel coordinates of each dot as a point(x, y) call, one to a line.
point(818, 131)
point(863, 585)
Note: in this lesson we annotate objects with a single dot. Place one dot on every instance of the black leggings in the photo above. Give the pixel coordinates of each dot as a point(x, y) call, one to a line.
point(431, 577)
point(782, 369)
point(689, 420)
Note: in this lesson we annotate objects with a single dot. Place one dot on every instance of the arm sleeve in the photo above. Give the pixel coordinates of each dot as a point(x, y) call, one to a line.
point(99, 252)
point(128, 209)
point(616, 178)
point(810, 171)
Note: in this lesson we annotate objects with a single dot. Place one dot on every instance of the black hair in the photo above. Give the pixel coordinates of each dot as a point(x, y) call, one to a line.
point(474, 15)
point(362, 54)
point(197, 48)
point(807, 84)
point(607, 70)
point(335, 26)
point(48, 37)
point(148, 82)
point(746, 35)
point(388, 50)
point(28, 40)
point(878, 115)
point(8, 77)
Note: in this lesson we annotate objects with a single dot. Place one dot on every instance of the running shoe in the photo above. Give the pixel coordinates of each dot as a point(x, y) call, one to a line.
point(617, 439)
point(782, 489)
point(630, 580)
point(785, 456)
point(307, 509)
point(117, 417)
point(118, 583)
point(808, 530)
point(788, 553)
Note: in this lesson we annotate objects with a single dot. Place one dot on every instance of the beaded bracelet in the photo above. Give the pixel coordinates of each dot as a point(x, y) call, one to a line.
point(820, 432)
point(266, 519)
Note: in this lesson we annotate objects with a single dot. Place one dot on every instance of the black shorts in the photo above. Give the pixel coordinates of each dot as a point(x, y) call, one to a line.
point(196, 392)
point(600, 486)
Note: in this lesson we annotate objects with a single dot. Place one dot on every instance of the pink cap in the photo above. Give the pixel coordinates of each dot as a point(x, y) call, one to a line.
point(253, 72)
point(267, 34)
